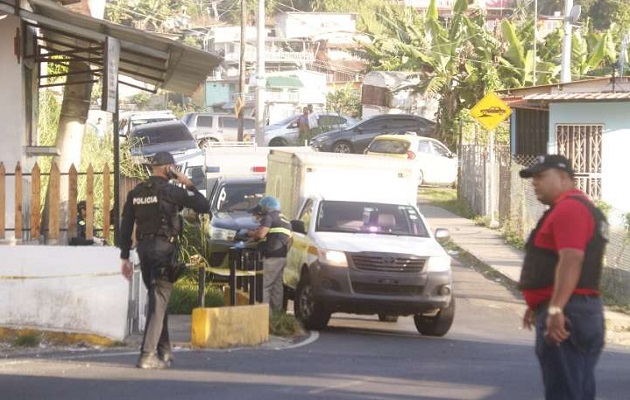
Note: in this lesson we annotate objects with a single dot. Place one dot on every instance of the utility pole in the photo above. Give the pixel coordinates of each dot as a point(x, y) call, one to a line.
point(243, 67)
point(260, 74)
point(535, 38)
point(566, 43)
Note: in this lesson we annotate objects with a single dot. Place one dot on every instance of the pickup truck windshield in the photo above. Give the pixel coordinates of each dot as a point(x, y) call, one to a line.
point(238, 196)
point(364, 217)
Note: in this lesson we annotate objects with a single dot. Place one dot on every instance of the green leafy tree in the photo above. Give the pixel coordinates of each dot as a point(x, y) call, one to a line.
point(345, 100)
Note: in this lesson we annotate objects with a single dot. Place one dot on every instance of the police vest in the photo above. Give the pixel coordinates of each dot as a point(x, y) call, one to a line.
point(277, 240)
point(539, 266)
point(154, 216)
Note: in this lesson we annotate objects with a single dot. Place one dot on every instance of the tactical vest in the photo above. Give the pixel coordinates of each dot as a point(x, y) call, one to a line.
point(539, 266)
point(154, 216)
point(277, 240)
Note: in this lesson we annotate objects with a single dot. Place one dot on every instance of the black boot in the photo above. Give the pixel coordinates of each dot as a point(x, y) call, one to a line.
point(151, 361)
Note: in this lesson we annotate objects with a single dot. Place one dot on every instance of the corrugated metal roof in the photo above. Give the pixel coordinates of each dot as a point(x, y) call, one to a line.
point(145, 57)
point(562, 97)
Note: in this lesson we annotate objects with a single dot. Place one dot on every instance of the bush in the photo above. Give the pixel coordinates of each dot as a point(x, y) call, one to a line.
point(184, 296)
point(284, 325)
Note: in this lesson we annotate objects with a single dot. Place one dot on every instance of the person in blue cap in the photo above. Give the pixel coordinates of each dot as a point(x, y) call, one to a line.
point(276, 230)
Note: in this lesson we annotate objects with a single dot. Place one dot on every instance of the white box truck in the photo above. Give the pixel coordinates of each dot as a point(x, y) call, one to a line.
point(360, 245)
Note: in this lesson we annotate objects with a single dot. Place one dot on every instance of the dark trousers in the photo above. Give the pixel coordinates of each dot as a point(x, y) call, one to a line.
point(568, 370)
point(155, 254)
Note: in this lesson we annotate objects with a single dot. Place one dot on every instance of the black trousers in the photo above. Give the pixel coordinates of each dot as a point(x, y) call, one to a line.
point(155, 254)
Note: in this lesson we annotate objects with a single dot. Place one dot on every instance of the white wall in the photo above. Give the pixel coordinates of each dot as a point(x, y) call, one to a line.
point(307, 24)
point(68, 289)
point(12, 129)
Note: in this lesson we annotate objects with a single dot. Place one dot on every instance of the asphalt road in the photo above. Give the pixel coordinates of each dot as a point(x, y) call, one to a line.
point(485, 356)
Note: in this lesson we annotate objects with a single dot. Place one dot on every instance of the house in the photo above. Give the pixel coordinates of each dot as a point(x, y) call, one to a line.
point(67, 288)
point(390, 92)
point(586, 121)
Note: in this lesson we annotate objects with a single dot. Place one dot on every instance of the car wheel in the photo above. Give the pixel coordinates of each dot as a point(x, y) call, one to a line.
point(306, 309)
point(420, 178)
point(342, 147)
point(437, 325)
point(387, 317)
point(278, 142)
point(206, 143)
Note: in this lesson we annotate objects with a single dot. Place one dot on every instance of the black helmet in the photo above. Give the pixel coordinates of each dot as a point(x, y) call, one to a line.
point(81, 206)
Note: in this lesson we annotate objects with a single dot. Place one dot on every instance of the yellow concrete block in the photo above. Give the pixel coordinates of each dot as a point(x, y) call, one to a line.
point(223, 327)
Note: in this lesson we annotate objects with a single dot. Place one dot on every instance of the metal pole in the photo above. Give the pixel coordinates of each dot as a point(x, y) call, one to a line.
point(566, 43)
point(242, 70)
point(535, 37)
point(116, 144)
point(260, 74)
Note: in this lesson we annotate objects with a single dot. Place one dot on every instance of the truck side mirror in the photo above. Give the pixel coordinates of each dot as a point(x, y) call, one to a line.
point(442, 235)
point(297, 226)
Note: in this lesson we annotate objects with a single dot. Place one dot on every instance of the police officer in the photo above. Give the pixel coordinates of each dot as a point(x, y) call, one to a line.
point(276, 230)
point(560, 281)
point(154, 207)
point(81, 240)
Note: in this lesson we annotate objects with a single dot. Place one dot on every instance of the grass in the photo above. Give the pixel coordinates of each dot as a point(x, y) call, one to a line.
point(446, 198)
point(185, 293)
point(30, 339)
point(285, 325)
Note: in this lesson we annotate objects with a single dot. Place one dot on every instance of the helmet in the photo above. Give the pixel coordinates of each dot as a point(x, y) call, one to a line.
point(270, 203)
point(81, 205)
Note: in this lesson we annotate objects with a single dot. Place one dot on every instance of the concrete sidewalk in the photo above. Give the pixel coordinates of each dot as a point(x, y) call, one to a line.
point(489, 247)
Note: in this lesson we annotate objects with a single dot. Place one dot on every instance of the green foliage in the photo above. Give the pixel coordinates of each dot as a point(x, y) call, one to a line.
point(345, 100)
point(141, 100)
point(184, 297)
point(284, 325)
point(446, 198)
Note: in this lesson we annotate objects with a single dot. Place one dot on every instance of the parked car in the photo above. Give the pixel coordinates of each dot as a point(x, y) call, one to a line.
point(211, 127)
point(172, 136)
point(285, 132)
point(230, 199)
point(355, 138)
point(131, 119)
point(438, 165)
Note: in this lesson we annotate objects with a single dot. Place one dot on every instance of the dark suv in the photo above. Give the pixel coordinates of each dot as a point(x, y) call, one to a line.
point(356, 138)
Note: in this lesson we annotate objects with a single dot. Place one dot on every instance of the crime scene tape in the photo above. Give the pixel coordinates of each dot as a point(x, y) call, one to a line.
point(226, 272)
point(27, 277)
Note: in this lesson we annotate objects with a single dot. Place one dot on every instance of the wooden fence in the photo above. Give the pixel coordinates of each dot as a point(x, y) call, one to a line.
point(27, 207)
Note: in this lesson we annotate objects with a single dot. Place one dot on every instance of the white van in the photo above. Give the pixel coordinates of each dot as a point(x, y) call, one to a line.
point(360, 245)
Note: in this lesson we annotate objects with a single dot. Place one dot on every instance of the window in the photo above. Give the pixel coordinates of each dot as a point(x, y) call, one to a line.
point(389, 146)
point(307, 212)
point(440, 150)
point(249, 124)
point(228, 122)
point(204, 120)
point(424, 147)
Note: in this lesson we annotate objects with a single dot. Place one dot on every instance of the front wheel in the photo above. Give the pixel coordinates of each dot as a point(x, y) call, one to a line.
point(342, 147)
point(206, 143)
point(437, 325)
point(278, 142)
point(307, 309)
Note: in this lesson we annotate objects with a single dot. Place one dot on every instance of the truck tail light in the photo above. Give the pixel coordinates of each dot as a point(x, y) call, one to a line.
point(411, 155)
point(259, 169)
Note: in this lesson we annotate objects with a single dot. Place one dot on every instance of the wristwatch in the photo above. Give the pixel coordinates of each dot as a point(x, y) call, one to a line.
point(553, 310)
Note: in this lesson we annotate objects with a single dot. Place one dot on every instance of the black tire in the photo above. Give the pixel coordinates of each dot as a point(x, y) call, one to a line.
point(278, 142)
point(420, 178)
point(437, 325)
point(306, 309)
point(285, 298)
point(342, 147)
point(387, 317)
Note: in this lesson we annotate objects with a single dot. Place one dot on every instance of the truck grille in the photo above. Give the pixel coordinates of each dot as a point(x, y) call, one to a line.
point(384, 289)
point(382, 263)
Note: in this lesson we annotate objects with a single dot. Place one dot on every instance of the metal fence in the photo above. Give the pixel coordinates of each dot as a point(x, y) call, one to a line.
point(489, 183)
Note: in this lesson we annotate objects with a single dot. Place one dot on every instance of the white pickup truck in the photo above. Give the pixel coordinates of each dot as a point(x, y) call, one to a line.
point(360, 245)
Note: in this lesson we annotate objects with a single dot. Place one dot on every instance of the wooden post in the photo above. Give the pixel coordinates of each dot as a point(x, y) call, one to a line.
point(18, 202)
point(106, 201)
point(2, 201)
point(36, 200)
point(54, 201)
point(89, 199)
point(72, 202)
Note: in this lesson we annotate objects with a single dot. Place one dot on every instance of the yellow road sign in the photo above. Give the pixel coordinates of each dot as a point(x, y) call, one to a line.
point(490, 111)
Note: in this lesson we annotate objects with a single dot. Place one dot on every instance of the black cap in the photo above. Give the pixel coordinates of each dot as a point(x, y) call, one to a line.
point(81, 205)
point(545, 162)
point(162, 158)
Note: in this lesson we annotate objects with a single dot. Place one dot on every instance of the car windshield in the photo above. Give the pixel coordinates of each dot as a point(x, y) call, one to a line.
point(365, 217)
point(238, 196)
point(168, 134)
point(389, 146)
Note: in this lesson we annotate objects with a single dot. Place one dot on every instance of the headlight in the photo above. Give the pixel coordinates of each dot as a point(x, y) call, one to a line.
point(333, 257)
point(439, 264)
point(222, 234)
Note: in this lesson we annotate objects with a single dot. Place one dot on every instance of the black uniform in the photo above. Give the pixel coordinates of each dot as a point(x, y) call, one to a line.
point(154, 207)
